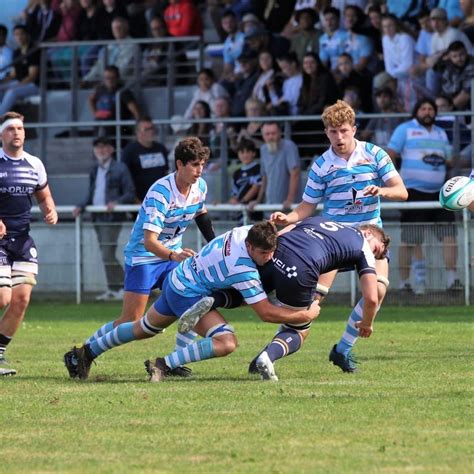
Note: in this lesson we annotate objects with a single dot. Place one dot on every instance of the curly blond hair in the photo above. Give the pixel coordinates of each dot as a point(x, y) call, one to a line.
point(337, 114)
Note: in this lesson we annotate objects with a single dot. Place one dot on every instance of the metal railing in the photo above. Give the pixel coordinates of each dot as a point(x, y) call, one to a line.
point(466, 228)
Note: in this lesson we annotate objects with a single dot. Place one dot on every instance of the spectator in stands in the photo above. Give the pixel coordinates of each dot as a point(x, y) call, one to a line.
point(259, 39)
point(374, 32)
point(252, 131)
point(222, 108)
point(103, 99)
point(280, 168)
point(467, 26)
point(399, 55)
point(447, 122)
point(155, 57)
point(246, 180)
point(89, 29)
point(110, 10)
point(307, 39)
point(286, 103)
point(351, 95)
point(443, 36)
point(110, 184)
point(146, 158)
point(250, 22)
point(405, 10)
point(43, 22)
point(275, 14)
point(331, 43)
point(379, 129)
point(61, 57)
point(425, 152)
point(457, 75)
point(215, 9)
point(420, 68)
point(317, 91)
point(6, 53)
point(266, 65)
point(233, 45)
point(207, 90)
point(120, 54)
point(23, 79)
point(183, 18)
point(202, 130)
point(360, 47)
point(453, 11)
point(346, 76)
point(245, 83)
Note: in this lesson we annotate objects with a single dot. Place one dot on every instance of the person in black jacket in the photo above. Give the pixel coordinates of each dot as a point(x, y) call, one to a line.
point(110, 184)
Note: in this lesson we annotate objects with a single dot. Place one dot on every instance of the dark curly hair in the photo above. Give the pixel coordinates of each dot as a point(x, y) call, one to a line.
point(191, 149)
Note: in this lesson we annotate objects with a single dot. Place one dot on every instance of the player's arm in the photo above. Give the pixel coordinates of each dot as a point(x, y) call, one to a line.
point(46, 204)
point(204, 223)
point(270, 313)
point(292, 188)
point(368, 285)
point(393, 189)
point(3, 229)
point(153, 245)
point(301, 211)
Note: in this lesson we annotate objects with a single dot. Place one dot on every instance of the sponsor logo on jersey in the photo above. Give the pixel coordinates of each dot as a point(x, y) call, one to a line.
point(17, 189)
point(4, 174)
point(355, 206)
point(434, 160)
point(282, 267)
point(310, 232)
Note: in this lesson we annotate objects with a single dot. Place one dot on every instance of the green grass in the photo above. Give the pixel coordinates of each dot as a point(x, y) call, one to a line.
point(409, 408)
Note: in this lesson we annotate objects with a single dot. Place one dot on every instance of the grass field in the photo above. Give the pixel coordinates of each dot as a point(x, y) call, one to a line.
point(408, 409)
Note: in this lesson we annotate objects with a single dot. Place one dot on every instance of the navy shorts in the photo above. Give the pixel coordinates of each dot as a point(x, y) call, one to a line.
point(19, 250)
point(144, 278)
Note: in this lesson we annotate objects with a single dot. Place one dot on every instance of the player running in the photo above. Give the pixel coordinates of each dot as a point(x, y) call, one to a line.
point(349, 178)
point(21, 177)
point(228, 261)
point(155, 244)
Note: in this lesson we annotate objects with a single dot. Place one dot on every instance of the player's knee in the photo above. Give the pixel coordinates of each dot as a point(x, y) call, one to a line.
point(224, 339)
point(5, 298)
point(382, 287)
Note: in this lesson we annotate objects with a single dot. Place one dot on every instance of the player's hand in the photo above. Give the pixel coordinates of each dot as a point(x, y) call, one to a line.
point(183, 255)
point(371, 190)
point(3, 229)
point(365, 329)
point(313, 310)
point(279, 218)
point(51, 217)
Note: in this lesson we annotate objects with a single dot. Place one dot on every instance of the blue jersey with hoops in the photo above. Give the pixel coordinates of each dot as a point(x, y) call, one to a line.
point(340, 183)
point(222, 263)
point(20, 178)
point(167, 212)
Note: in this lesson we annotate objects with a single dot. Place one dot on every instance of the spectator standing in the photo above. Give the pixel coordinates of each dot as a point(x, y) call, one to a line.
point(120, 54)
point(207, 90)
point(146, 159)
point(280, 168)
point(103, 100)
point(233, 45)
point(6, 53)
point(399, 54)
point(425, 152)
point(331, 43)
point(43, 22)
point(110, 184)
point(307, 39)
point(457, 76)
point(183, 18)
point(22, 81)
point(22, 177)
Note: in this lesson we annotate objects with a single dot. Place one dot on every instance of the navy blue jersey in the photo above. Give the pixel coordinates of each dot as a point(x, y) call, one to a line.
point(19, 180)
point(315, 246)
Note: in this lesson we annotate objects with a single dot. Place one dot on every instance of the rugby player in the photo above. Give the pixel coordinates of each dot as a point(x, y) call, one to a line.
point(21, 177)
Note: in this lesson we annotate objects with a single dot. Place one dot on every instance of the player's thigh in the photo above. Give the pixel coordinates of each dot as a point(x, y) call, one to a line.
point(21, 292)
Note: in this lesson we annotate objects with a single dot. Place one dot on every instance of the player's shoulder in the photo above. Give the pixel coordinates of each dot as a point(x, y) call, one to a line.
point(34, 161)
point(372, 150)
point(202, 185)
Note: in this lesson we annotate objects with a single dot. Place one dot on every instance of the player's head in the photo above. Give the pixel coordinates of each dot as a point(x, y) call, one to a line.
point(246, 151)
point(425, 111)
point(339, 125)
point(378, 240)
point(261, 242)
point(12, 132)
point(190, 157)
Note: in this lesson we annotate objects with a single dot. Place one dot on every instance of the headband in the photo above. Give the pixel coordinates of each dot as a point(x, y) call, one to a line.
point(9, 122)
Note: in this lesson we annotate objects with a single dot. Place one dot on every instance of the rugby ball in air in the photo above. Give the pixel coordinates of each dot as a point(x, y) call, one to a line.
point(457, 193)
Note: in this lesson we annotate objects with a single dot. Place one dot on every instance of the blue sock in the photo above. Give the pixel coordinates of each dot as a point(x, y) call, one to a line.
point(200, 350)
point(351, 333)
point(183, 340)
point(102, 331)
point(120, 335)
point(284, 343)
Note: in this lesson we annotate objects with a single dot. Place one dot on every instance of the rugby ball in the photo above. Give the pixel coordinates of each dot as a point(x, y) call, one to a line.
point(457, 193)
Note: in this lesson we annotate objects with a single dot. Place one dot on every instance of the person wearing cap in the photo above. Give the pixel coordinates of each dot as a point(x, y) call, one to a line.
point(443, 36)
point(22, 176)
point(233, 45)
point(250, 21)
point(110, 183)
